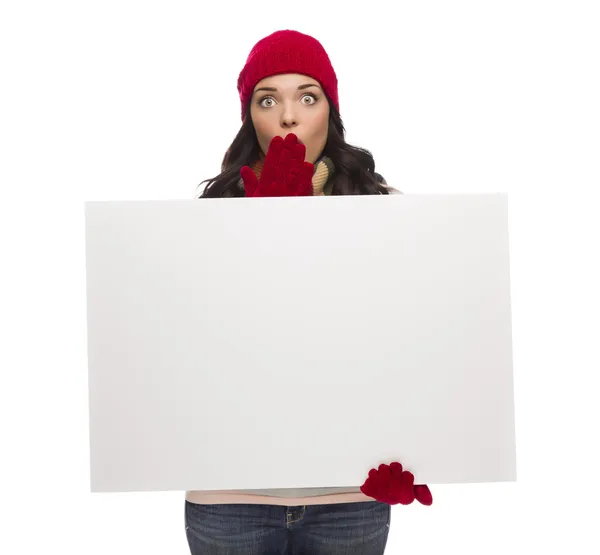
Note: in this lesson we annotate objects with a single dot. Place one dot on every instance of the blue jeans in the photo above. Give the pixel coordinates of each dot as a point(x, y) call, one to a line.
point(337, 529)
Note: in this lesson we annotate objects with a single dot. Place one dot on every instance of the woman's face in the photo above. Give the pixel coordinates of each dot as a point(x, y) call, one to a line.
point(291, 103)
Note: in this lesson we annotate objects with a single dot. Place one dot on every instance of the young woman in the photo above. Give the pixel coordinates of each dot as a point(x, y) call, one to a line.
point(291, 143)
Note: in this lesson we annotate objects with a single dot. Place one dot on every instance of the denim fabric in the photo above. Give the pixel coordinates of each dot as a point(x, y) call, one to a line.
point(239, 529)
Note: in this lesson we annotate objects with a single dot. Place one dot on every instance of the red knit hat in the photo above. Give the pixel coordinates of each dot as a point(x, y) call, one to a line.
point(287, 52)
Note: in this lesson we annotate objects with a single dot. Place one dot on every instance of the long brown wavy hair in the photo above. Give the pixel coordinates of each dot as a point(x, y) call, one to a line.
point(354, 166)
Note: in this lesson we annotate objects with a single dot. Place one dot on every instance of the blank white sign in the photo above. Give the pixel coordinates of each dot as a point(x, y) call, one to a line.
point(258, 343)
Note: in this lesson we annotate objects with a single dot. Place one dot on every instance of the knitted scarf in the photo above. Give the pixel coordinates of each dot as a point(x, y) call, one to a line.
point(323, 171)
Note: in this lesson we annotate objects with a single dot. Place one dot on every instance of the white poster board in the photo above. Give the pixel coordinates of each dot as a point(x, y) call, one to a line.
point(298, 342)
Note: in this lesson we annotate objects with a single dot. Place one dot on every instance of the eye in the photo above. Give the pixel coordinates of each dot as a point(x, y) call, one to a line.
point(262, 100)
point(314, 98)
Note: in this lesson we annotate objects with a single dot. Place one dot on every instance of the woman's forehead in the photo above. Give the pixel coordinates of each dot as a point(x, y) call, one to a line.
point(284, 80)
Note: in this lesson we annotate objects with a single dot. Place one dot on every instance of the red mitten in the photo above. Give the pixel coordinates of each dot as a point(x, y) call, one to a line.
point(391, 485)
point(284, 173)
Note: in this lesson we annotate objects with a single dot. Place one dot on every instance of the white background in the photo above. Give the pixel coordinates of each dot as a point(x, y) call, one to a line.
point(124, 100)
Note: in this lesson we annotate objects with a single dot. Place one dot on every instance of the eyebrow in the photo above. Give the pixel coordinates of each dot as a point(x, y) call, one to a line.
point(301, 87)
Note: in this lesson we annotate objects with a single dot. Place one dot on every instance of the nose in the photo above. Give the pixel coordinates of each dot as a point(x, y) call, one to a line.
point(288, 118)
